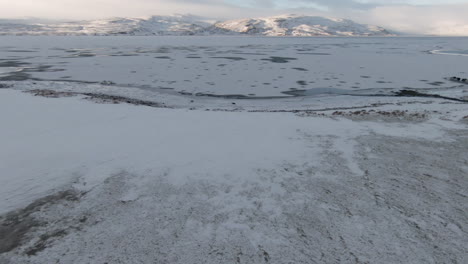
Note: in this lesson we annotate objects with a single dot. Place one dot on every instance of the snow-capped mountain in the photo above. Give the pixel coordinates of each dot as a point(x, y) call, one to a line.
point(285, 25)
point(155, 25)
point(295, 25)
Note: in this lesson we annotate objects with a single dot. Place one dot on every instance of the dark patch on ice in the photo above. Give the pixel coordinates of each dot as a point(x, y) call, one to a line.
point(121, 55)
point(82, 55)
point(162, 57)
point(163, 50)
point(21, 51)
point(249, 53)
point(314, 53)
point(279, 59)
point(232, 96)
point(23, 74)
point(225, 96)
point(300, 69)
point(13, 64)
point(367, 92)
point(436, 83)
point(413, 93)
point(16, 76)
point(42, 68)
point(230, 58)
point(318, 91)
point(302, 83)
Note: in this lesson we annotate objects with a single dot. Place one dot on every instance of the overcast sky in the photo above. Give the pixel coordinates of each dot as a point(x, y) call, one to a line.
point(448, 17)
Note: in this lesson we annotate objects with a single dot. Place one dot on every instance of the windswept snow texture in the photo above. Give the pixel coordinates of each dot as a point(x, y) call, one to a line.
point(107, 183)
point(286, 25)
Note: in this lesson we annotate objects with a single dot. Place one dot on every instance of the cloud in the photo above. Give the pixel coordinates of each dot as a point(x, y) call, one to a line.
point(446, 20)
point(428, 17)
point(89, 9)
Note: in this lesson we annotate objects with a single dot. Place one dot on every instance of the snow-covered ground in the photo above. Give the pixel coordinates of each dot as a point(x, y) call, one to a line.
point(123, 172)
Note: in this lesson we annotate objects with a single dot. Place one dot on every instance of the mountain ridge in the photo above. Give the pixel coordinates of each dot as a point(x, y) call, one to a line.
point(182, 25)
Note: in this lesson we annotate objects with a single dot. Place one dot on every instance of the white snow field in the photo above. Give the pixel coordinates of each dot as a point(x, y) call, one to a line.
point(107, 165)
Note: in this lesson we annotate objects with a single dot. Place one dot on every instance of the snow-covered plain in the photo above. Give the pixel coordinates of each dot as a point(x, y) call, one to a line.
point(176, 177)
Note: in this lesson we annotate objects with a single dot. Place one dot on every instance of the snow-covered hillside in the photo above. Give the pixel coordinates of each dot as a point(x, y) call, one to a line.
point(155, 25)
point(294, 25)
point(285, 25)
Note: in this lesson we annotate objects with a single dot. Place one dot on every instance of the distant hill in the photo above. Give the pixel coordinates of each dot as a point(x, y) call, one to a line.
point(180, 25)
point(294, 25)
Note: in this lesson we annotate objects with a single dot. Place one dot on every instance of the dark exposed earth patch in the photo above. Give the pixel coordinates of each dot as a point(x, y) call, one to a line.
point(2, 86)
point(15, 226)
point(96, 97)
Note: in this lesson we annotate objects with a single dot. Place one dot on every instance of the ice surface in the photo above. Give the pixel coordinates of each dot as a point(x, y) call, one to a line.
point(234, 66)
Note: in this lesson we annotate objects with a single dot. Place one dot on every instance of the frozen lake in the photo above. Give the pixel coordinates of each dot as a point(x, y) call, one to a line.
point(239, 66)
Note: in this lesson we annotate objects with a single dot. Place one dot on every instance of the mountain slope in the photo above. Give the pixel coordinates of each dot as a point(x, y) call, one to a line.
point(286, 25)
point(293, 25)
point(155, 25)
